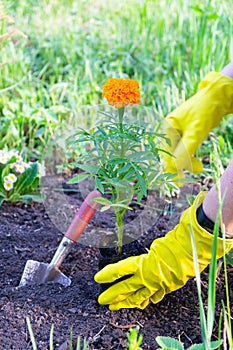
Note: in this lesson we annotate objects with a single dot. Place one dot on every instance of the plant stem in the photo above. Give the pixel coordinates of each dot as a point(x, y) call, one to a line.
point(120, 229)
point(121, 112)
point(119, 211)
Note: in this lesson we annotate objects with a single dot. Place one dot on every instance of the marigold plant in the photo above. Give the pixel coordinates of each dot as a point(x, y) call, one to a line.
point(120, 152)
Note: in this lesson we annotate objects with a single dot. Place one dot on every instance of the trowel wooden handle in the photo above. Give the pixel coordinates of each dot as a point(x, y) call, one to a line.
point(83, 216)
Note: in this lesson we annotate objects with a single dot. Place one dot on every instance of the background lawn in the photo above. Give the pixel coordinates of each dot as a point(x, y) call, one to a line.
point(72, 47)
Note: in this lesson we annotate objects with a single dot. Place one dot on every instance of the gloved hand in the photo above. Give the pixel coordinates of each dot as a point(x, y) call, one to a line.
point(167, 266)
point(188, 125)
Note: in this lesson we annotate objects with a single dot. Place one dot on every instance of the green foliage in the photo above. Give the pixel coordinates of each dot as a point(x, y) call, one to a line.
point(119, 154)
point(65, 59)
point(78, 346)
point(134, 339)
point(123, 157)
point(168, 343)
point(18, 180)
point(133, 343)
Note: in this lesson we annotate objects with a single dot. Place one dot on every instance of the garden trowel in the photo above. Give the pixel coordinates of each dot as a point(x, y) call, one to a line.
point(39, 272)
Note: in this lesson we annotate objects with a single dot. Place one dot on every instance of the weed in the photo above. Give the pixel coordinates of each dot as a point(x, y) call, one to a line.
point(80, 345)
point(134, 339)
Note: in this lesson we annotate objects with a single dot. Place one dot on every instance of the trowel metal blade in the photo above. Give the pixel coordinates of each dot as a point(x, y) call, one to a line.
point(39, 272)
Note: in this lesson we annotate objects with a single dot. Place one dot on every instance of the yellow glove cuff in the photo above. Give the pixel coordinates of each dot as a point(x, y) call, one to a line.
point(180, 239)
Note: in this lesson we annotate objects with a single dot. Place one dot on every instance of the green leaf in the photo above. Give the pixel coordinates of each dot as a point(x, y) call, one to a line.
point(130, 176)
point(14, 197)
point(2, 194)
point(102, 131)
point(78, 178)
point(140, 156)
point(213, 345)
point(27, 178)
point(6, 170)
point(27, 198)
point(108, 204)
point(99, 185)
point(116, 160)
point(1, 182)
point(197, 347)
point(216, 344)
point(89, 168)
point(76, 137)
point(116, 182)
point(105, 207)
point(124, 169)
point(35, 184)
point(139, 196)
point(121, 206)
point(170, 343)
point(102, 200)
point(1, 200)
point(106, 114)
point(141, 183)
point(229, 259)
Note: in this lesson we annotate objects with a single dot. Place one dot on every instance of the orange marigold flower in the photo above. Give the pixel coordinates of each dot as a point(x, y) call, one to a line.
point(121, 92)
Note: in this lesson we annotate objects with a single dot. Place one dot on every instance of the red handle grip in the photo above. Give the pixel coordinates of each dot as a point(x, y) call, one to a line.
point(83, 216)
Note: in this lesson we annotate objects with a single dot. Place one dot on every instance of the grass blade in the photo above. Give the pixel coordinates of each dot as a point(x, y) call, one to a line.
point(51, 337)
point(33, 340)
point(198, 281)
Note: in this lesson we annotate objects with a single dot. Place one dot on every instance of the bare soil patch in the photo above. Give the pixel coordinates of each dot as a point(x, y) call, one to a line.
point(27, 232)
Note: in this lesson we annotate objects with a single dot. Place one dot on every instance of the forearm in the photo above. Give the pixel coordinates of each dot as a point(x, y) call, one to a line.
point(211, 203)
point(228, 70)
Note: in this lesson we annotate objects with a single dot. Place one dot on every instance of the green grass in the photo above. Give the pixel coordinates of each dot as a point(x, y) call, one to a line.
point(72, 47)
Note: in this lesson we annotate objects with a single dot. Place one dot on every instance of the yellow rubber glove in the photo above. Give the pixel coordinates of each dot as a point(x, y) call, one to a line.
point(188, 125)
point(167, 266)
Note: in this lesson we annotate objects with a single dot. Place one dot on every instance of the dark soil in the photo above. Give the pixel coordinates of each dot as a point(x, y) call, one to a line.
point(27, 232)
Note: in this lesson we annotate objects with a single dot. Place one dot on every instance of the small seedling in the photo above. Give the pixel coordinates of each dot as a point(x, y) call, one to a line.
point(134, 339)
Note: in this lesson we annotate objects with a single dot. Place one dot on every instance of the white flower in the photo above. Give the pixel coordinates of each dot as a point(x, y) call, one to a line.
point(5, 156)
point(10, 154)
point(8, 185)
point(19, 165)
point(10, 178)
point(19, 158)
point(3, 159)
point(19, 168)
